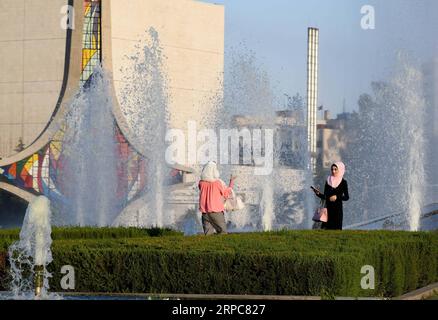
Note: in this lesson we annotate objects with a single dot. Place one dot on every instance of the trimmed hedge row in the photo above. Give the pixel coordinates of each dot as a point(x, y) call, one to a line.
point(277, 263)
point(95, 233)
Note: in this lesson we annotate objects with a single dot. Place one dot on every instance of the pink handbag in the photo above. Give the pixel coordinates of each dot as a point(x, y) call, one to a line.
point(321, 214)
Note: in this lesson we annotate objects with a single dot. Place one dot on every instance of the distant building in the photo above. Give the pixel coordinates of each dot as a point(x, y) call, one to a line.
point(290, 134)
point(328, 141)
point(332, 138)
point(290, 137)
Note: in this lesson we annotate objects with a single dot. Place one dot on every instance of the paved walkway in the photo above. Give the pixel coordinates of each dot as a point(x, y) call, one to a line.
point(429, 292)
point(163, 296)
point(420, 294)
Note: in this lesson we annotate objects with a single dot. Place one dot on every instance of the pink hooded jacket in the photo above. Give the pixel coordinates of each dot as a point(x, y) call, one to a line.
point(213, 191)
point(213, 194)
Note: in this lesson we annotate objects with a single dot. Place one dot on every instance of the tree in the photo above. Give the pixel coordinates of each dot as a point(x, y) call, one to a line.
point(296, 105)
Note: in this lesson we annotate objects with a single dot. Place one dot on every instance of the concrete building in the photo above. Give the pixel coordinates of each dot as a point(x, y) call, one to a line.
point(191, 34)
point(32, 59)
point(36, 65)
point(331, 139)
point(290, 134)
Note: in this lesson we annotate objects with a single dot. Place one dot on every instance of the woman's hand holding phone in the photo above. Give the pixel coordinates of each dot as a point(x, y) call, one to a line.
point(315, 190)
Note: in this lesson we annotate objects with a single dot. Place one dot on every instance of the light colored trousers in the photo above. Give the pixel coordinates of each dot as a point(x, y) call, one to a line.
point(214, 221)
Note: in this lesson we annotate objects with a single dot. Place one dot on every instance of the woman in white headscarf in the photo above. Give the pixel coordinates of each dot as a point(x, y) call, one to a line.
point(213, 192)
point(335, 192)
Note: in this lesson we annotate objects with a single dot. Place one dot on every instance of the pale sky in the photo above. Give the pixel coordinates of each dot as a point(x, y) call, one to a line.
point(350, 57)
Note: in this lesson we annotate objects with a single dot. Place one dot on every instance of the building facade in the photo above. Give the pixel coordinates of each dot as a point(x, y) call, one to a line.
point(35, 62)
point(191, 37)
point(32, 59)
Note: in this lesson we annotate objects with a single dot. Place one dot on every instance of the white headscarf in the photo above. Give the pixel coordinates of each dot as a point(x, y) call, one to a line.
point(210, 172)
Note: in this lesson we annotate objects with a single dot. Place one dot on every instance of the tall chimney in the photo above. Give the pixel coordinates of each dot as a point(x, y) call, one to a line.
point(312, 92)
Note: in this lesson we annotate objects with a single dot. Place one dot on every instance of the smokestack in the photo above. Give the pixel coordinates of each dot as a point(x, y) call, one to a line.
point(312, 91)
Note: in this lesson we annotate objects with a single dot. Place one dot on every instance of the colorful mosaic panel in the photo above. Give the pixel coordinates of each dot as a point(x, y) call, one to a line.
point(130, 170)
point(91, 41)
point(32, 173)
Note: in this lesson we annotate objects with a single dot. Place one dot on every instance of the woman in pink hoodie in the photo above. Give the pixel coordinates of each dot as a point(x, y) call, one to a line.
point(212, 193)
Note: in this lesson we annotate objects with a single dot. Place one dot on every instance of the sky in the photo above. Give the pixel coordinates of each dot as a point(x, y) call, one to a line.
point(350, 57)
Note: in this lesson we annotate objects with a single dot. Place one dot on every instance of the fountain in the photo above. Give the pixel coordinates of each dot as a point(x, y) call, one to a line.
point(144, 103)
point(247, 92)
point(386, 160)
point(30, 255)
point(277, 199)
point(280, 199)
point(89, 172)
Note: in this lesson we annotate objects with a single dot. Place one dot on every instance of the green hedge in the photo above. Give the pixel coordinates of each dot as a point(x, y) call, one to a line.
point(95, 233)
point(277, 263)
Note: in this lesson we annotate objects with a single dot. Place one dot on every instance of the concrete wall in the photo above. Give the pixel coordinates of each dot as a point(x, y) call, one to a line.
point(32, 54)
point(191, 34)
